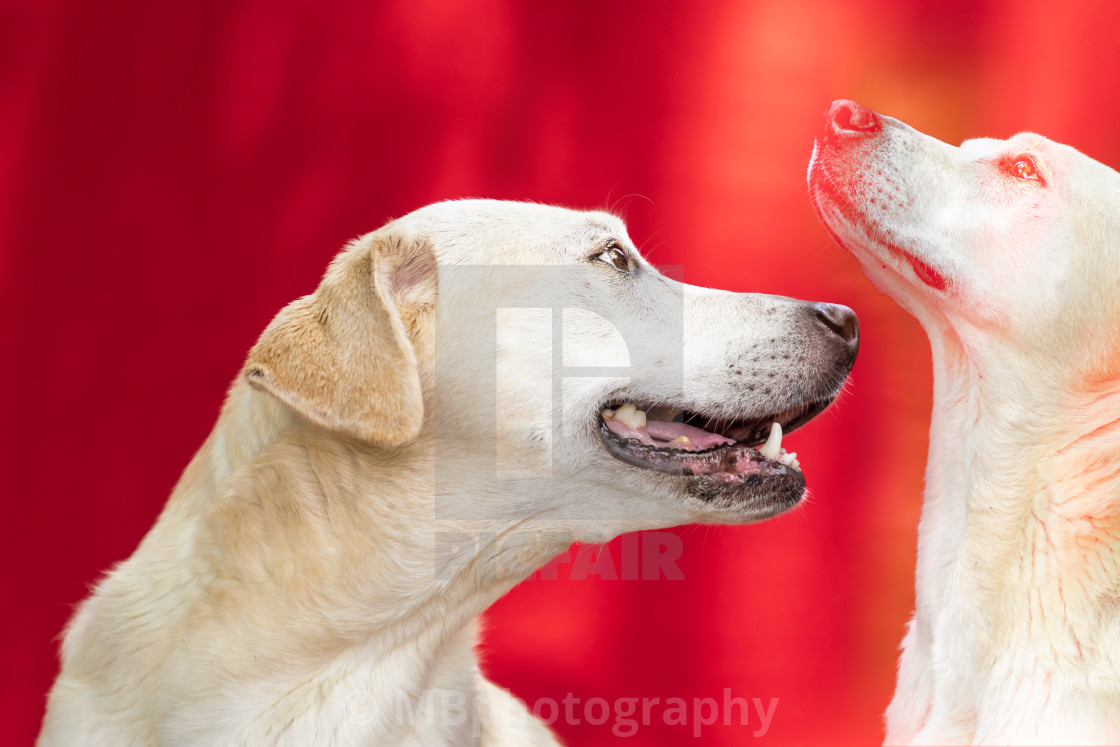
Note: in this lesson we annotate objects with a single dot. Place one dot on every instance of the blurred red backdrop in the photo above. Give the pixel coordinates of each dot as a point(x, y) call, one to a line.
point(172, 174)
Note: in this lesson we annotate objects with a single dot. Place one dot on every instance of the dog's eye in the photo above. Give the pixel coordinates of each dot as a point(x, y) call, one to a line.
point(615, 257)
point(1024, 167)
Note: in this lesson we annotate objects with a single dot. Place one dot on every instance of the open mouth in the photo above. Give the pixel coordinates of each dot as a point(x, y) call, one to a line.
point(680, 442)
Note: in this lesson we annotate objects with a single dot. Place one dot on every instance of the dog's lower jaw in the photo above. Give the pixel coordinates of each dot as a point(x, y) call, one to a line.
point(1052, 556)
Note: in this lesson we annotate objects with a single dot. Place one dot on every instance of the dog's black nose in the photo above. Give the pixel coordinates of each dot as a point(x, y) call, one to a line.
point(841, 321)
point(851, 118)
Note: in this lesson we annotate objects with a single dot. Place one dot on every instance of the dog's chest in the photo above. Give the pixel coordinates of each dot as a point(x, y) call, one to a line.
point(1035, 646)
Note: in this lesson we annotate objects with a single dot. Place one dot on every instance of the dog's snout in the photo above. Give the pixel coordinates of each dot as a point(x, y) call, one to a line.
point(850, 118)
point(840, 320)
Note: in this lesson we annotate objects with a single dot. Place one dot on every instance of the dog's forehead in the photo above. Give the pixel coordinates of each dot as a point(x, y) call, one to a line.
point(982, 147)
point(487, 231)
point(1023, 142)
point(1080, 172)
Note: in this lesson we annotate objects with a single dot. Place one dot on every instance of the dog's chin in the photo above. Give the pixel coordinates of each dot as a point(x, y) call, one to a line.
point(846, 218)
point(762, 496)
point(729, 470)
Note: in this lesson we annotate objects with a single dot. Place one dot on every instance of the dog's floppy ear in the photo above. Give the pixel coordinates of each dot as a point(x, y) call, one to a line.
point(341, 357)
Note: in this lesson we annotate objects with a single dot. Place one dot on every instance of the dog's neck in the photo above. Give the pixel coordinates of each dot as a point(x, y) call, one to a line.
point(1022, 489)
point(367, 481)
point(385, 588)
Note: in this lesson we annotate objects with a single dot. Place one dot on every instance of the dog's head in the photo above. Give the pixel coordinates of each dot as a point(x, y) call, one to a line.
point(554, 371)
point(1009, 245)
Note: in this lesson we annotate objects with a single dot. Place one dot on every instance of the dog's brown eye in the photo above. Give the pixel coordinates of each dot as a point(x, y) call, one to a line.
point(616, 258)
point(1024, 167)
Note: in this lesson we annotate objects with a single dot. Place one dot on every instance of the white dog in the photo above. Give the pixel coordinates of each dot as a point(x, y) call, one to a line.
point(470, 389)
point(1008, 253)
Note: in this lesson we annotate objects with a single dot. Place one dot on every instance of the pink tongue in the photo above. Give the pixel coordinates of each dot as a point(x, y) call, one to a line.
point(660, 433)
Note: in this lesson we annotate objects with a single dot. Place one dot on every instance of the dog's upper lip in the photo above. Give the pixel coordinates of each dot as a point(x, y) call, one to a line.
point(722, 446)
point(707, 430)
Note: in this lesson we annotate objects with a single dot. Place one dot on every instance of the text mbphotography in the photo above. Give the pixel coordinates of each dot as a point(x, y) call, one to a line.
point(625, 716)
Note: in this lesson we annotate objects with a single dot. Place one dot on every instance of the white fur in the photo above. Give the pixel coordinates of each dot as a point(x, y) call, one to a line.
point(1016, 634)
point(293, 593)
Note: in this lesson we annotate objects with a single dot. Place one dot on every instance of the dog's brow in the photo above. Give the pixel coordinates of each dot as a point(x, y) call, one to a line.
point(595, 234)
point(600, 229)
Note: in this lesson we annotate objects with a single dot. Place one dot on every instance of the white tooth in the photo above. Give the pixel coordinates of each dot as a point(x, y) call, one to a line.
point(631, 415)
point(608, 414)
point(682, 440)
point(789, 460)
point(773, 444)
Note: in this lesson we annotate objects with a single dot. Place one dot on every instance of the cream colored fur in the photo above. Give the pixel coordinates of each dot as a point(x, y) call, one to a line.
point(1016, 634)
point(293, 592)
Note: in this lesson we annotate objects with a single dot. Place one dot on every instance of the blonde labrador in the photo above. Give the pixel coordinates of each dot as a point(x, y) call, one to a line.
point(1008, 253)
point(470, 389)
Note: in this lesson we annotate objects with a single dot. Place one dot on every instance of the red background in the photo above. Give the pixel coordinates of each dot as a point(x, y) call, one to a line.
point(172, 174)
